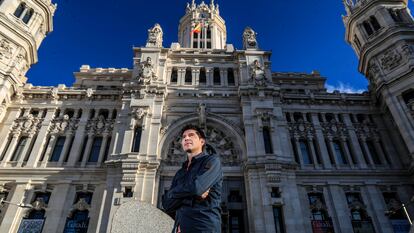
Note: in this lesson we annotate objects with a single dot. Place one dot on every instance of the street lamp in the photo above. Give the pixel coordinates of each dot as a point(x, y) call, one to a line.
point(21, 205)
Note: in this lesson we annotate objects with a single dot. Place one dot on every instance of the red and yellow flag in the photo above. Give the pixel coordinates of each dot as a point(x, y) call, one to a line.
point(197, 29)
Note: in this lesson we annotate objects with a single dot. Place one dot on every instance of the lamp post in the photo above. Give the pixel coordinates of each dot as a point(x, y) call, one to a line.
point(21, 205)
point(404, 208)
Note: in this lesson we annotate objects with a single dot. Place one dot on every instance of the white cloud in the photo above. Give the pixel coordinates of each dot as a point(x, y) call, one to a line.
point(344, 88)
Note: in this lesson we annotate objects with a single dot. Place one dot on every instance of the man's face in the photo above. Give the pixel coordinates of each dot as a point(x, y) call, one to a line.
point(191, 142)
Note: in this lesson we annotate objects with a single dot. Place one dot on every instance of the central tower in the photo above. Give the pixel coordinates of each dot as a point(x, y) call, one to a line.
point(202, 27)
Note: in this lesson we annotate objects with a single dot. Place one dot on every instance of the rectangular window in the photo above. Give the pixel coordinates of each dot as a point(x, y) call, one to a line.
point(230, 77)
point(19, 10)
point(19, 149)
point(57, 151)
point(96, 148)
point(203, 77)
point(267, 140)
point(304, 149)
point(278, 217)
point(373, 152)
point(216, 76)
point(137, 139)
point(339, 153)
point(188, 76)
point(108, 144)
point(3, 153)
point(174, 75)
point(28, 16)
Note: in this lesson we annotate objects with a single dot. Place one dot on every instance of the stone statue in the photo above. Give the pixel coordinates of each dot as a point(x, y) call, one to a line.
point(146, 72)
point(155, 37)
point(257, 74)
point(249, 39)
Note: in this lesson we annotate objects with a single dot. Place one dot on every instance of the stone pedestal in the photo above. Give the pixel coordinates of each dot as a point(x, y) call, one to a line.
point(135, 216)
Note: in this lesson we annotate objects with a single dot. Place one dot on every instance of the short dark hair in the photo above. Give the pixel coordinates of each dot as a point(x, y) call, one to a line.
point(199, 131)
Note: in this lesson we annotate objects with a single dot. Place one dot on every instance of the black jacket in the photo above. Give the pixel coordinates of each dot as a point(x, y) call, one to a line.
point(193, 214)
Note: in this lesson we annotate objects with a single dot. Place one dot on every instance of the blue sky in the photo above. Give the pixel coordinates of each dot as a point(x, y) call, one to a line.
point(303, 35)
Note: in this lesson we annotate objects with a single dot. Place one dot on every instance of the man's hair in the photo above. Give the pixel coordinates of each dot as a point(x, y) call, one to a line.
point(198, 130)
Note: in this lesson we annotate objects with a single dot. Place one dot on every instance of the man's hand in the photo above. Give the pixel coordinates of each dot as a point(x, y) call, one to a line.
point(204, 195)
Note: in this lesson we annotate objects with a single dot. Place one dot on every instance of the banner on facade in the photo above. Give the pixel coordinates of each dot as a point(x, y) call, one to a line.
point(76, 226)
point(322, 226)
point(31, 226)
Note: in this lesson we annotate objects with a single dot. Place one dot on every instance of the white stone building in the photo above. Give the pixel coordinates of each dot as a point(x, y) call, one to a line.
point(295, 157)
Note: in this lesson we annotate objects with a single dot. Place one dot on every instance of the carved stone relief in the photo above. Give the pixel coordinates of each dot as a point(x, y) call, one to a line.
point(146, 72)
point(63, 125)
point(257, 74)
point(100, 125)
point(217, 143)
point(27, 125)
point(391, 59)
point(6, 50)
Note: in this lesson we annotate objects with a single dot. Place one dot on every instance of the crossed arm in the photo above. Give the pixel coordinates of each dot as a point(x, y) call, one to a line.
point(182, 193)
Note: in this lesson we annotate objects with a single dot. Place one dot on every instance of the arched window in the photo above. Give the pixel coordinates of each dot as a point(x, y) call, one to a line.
point(137, 139)
point(203, 76)
point(188, 76)
point(174, 75)
point(230, 77)
point(216, 76)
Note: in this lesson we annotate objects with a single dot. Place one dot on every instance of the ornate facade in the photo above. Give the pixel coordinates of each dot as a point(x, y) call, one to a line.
point(295, 157)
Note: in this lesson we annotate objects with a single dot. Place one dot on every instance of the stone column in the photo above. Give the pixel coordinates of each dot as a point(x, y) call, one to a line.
point(129, 135)
point(209, 76)
point(49, 149)
point(340, 208)
point(6, 127)
point(14, 213)
point(346, 151)
point(149, 185)
point(313, 152)
point(299, 152)
point(168, 78)
point(196, 77)
point(103, 149)
point(254, 202)
point(223, 77)
point(41, 139)
point(65, 149)
point(367, 152)
point(11, 149)
point(321, 142)
point(295, 219)
point(375, 201)
point(79, 139)
point(332, 149)
point(389, 147)
point(96, 205)
point(56, 211)
point(355, 146)
point(88, 148)
point(378, 149)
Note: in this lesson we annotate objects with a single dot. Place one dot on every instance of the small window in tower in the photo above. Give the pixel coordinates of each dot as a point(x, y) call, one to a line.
point(188, 76)
point(208, 44)
point(368, 28)
point(174, 75)
point(20, 10)
point(396, 15)
point(374, 23)
point(203, 77)
point(216, 76)
point(195, 44)
point(28, 16)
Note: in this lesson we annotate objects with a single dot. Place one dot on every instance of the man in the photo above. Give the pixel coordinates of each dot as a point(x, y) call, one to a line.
point(195, 193)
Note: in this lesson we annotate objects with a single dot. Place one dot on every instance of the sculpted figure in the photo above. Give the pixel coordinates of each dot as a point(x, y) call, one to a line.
point(257, 74)
point(155, 36)
point(146, 72)
point(249, 38)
